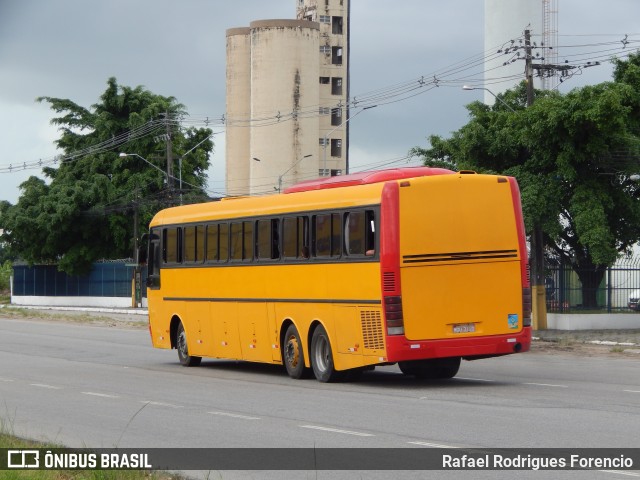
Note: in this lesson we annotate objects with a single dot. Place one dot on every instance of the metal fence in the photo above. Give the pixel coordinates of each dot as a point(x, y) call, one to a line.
point(109, 279)
point(565, 292)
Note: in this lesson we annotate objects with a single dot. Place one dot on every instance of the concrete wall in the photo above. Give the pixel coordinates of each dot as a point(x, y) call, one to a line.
point(593, 321)
point(99, 302)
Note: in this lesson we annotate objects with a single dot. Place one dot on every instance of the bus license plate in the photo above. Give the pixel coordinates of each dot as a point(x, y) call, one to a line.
point(464, 328)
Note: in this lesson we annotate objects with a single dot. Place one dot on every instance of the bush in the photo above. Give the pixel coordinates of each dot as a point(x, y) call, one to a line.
point(5, 273)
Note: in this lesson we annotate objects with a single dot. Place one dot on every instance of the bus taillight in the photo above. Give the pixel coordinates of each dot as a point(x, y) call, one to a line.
point(526, 307)
point(393, 315)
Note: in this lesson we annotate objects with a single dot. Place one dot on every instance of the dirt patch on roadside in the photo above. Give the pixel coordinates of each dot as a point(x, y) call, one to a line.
point(77, 317)
point(614, 343)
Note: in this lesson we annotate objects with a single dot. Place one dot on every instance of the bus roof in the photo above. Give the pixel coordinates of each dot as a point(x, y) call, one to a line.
point(364, 178)
point(370, 183)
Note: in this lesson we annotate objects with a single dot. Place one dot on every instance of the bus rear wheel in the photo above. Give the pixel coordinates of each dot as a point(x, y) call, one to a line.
point(293, 354)
point(434, 368)
point(322, 357)
point(183, 350)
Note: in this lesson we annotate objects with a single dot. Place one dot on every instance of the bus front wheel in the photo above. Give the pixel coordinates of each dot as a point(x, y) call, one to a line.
point(322, 357)
point(435, 368)
point(293, 354)
point(183, 350)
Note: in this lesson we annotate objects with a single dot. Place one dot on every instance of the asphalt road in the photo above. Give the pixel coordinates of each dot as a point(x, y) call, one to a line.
point(94, 386)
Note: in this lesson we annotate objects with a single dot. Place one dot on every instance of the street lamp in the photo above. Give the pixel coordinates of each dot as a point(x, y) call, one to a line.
point(468, 87)
point(326, 137)
point(287, 171)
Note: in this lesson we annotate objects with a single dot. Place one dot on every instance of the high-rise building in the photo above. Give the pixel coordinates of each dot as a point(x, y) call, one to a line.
point(287, 99)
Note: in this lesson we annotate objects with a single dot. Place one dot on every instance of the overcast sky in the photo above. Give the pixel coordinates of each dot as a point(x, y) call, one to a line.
point(69, 48)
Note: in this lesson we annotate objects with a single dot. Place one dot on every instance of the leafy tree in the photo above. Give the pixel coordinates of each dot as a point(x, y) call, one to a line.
point(573, 156)
point(86, 208)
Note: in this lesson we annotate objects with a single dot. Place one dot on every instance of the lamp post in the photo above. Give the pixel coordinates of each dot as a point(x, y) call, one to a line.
point(287, 171)
point(468, 87)
point(326, 137)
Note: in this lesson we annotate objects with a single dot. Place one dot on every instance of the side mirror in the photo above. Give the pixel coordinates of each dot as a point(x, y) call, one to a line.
point(142, 255)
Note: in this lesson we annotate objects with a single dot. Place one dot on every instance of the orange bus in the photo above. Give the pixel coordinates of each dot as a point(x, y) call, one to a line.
point(417, 266)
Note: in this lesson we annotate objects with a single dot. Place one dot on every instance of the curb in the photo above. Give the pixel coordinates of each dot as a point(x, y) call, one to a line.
point(123, 311)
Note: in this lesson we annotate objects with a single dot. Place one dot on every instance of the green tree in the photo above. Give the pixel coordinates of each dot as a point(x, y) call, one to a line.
point(87, 207)
point(573, 156)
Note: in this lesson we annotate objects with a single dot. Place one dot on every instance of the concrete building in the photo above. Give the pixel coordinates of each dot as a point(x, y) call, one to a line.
point(287, 91)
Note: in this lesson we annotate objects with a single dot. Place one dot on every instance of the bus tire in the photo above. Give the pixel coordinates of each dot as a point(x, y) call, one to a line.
point(186, 360)
point(435, 368)
point(293, 354)
point(321, 357)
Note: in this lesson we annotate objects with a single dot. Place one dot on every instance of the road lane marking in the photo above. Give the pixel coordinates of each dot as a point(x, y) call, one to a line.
point(632, 391)
point(6, 379)
point(620, 472)
point(432, 445)
point(104, 395)
point(475, 379)
point(234, 415)
point(161, 404)
point(336, 430)
point(547, 385)
point(44, 385)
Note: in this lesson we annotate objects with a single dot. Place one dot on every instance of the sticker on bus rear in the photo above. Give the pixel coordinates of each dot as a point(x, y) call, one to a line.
point(512, 319)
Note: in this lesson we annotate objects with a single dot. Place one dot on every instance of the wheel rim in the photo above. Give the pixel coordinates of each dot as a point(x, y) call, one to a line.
point(292, 352)
point(322, 353)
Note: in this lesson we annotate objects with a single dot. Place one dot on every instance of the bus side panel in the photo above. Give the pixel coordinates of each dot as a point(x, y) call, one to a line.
point(158, 322)
point(253, 328)
point(195, 321)
point(359, 336)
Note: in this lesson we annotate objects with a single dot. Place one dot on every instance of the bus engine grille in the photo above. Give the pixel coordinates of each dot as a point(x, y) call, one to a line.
point(372, 332)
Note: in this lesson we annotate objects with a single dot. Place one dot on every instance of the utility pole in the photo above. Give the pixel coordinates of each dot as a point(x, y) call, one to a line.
point(538, 294)
point(169, 153)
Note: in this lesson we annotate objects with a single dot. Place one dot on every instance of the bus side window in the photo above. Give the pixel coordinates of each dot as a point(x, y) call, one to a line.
point(295, 237)
point(327, 235)
point(153, 260)
point(267, 242)
point(336, 234)
point(322, 235)
point(370, 233)
point(223, 239)
point(193, 244)
point(247, 241)
point(213, 254)
point(236, 241)
point(354, 233)
point(242, 241)
point(172, 245)
point(360, 233)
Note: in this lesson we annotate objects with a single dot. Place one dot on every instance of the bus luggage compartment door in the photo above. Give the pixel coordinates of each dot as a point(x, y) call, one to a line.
point(463, 300)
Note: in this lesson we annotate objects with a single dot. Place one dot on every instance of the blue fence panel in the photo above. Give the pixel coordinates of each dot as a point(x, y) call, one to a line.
point(105, 280)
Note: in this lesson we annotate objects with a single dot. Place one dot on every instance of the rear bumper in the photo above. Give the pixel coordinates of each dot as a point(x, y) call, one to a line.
point(400, 348)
